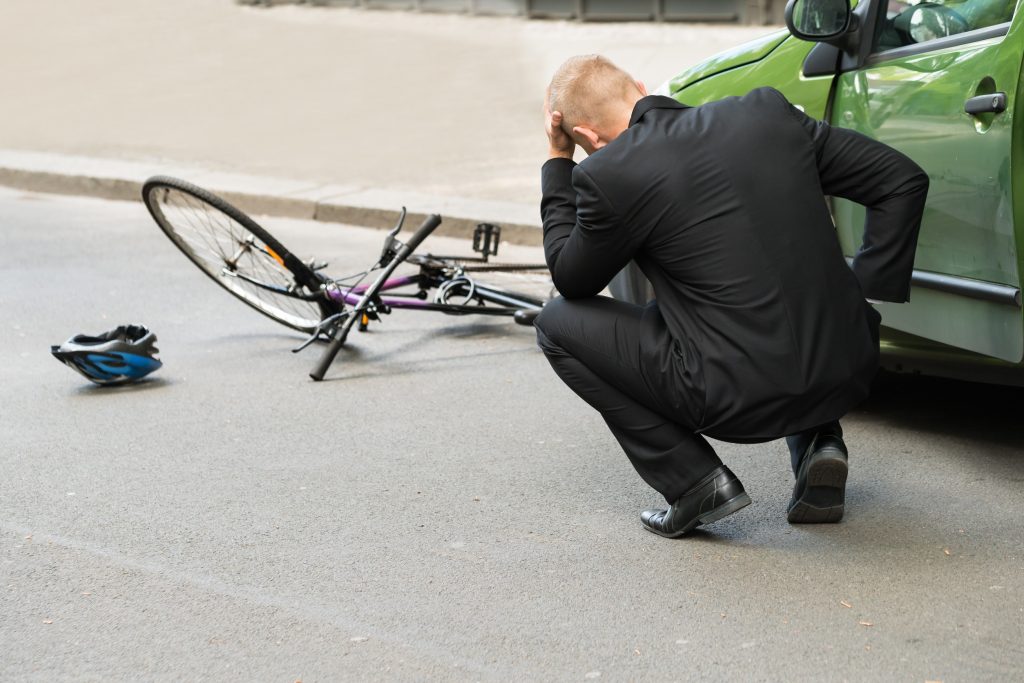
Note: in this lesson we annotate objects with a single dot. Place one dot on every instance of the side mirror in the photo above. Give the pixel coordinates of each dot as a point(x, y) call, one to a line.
point(818, 20)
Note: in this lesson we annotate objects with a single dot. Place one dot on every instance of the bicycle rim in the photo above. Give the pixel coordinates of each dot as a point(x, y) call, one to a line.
point(234, 251)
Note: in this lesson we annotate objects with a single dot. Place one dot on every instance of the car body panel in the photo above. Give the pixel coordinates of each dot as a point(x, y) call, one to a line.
point(781, 70)
point(916, 105)
point(738, 56)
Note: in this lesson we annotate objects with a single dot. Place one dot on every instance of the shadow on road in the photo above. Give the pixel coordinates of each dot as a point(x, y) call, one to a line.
point(983, 412)
point(146, 384)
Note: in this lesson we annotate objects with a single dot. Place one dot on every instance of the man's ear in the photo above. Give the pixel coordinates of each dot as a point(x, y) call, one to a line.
point(643, 88)
point(589, 135)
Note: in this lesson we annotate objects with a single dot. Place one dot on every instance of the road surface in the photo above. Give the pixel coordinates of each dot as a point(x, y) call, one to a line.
point(443, 508)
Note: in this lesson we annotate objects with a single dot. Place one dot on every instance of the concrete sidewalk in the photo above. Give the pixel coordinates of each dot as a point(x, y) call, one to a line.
point(365, 110)
point(267, 196)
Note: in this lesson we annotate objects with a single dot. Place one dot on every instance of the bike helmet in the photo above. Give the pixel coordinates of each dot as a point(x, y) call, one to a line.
point(121, 355)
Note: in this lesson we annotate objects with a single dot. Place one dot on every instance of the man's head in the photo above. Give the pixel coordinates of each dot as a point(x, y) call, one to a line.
point(595, 99)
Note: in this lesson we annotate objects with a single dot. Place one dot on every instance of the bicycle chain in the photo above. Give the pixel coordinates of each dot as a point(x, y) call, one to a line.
point(501, 267)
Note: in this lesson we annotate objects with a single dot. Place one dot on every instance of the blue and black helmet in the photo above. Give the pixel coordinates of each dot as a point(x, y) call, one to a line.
point(121, 355)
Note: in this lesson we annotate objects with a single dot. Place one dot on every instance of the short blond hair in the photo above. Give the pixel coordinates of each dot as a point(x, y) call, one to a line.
point(585, 86)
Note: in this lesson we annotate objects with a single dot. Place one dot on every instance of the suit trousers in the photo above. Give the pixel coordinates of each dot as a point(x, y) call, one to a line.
point(613, 355)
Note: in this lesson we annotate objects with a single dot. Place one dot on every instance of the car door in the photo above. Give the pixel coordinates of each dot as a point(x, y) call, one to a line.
point(928, 61)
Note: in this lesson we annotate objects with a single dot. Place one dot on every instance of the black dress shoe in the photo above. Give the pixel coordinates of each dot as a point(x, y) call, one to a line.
point(820, 491)
point(717, 495)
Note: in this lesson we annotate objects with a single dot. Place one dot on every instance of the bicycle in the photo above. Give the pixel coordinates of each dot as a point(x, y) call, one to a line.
point(246, 260)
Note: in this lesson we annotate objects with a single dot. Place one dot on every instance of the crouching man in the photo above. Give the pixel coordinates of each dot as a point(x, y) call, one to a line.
point(760, 329)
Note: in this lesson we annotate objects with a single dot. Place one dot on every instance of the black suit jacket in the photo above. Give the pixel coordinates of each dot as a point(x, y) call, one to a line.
point(723, 208)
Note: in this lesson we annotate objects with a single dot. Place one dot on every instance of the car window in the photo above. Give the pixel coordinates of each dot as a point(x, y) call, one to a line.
point(911, 22)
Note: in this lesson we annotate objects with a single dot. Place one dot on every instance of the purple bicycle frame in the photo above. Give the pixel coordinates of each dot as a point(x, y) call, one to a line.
point(354, 295)
point(507, 302)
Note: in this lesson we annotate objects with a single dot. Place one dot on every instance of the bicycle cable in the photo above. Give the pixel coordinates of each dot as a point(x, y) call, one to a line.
point(362, 276)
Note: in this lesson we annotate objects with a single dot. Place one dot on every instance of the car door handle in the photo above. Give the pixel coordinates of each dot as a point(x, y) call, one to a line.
point(994, 103)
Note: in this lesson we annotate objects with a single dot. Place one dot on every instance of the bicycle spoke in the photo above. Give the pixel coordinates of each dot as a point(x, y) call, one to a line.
point(222, 247)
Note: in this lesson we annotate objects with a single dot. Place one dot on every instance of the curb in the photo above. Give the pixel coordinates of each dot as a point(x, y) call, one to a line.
point(264, 196)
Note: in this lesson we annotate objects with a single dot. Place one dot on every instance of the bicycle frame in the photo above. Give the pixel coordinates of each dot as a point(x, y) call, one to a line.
point(332, 305)
point(511, 302)
point(362, 303)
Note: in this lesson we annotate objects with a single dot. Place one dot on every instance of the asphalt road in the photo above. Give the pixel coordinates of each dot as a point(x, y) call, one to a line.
point(443, 509)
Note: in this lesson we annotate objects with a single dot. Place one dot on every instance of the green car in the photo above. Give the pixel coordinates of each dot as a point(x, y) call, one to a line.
point(939, 81)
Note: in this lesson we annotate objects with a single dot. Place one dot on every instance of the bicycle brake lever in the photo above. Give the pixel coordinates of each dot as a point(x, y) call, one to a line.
point(321, 329)
point(391, 245)
point(390, 250)
point(303, 345)
point(398, 226)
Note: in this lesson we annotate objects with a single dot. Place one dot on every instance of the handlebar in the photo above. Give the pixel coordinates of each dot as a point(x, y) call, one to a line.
point(429, 225)
point(326, 358)
point(338, 340)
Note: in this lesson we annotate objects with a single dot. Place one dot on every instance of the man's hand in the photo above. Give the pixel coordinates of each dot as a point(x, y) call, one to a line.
point(561, 145)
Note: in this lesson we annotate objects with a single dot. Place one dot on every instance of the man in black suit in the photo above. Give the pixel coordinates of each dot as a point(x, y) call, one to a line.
point(760, 328)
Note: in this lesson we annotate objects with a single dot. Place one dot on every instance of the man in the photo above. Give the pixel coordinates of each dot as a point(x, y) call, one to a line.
point(760, 328)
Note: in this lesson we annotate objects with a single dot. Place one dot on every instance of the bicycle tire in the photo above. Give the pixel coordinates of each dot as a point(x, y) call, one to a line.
point(207, 229)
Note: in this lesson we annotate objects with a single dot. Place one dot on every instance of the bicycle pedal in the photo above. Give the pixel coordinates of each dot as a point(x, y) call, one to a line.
point(486, 238)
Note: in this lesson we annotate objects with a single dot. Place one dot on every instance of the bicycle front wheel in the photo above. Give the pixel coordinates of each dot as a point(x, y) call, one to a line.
point(238, 254)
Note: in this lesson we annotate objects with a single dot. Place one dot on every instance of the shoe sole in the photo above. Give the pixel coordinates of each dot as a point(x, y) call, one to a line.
point(724, 510)
point(823, 500)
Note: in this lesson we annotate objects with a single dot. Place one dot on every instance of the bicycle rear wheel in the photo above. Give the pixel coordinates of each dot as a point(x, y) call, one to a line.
point(238, 254)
